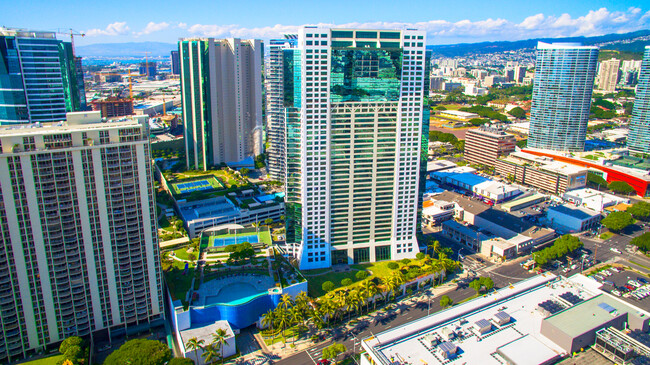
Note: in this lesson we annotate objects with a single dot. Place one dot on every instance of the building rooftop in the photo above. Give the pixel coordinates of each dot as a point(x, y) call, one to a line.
point(412, 342)
point(204, 332)
point(472, 206)
point(439, 165)
point(575, 212)
point(459, 113)
point(563, 168)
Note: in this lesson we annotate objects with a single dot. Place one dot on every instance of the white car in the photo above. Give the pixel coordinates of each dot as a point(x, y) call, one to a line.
point(616, 292)
point(615, 250)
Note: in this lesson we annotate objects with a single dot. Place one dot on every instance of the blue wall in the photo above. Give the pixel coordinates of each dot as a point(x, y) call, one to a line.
point(239, 316)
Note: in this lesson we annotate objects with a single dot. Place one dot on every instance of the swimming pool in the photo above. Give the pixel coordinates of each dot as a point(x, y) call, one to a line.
point(217, 242)
point(234, 294)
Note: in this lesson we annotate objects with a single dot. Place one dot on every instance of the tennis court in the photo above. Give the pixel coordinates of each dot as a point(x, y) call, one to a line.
point(225, 241)
point(209, 183)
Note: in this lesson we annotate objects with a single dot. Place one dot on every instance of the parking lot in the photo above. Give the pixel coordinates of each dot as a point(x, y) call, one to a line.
point(632, 287)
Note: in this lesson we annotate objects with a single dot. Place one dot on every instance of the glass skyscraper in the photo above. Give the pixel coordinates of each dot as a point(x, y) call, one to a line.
point(39, 80)
point(354, 129)
point(563, 84)
point(638, 139)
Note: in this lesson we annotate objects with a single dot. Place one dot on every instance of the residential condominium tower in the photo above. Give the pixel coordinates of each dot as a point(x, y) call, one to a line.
point(608, 75)
point(275, 126)
point(354, 138)
point(564, 81)
point(638, 139)
point(221, 84)
point(40, 79)
point(77, 232)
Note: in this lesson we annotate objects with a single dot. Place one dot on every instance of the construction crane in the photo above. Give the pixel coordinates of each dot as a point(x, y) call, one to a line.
point(129, 75)
point(71, 33)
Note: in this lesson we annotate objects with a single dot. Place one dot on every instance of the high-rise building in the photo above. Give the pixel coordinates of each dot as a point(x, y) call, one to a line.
point(275, 126)
point(608, 75)
point(638, 140)
point(78, 232)
point(355, 133)
point(176, 63)
point(485, 145)
point(148, 68)
point(520, 73)
point(39, 79)
point(564, 81)
point(221, 84)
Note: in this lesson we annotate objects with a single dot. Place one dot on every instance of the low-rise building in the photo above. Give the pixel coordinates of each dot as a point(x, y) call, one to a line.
point(436, 212)
point(457, 115)
point(568, 218)
point(113, 107)
point(205, 333)
point(542, 172)
point(487, 189)
point(474, 238)
point(593, 199)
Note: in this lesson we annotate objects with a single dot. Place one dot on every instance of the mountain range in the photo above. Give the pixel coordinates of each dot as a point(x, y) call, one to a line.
point(628, 42)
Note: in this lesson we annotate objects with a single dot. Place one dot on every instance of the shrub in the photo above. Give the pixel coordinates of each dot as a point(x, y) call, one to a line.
point(405, 261)
point(361, 274)
point(393, 265)
point(420, 255)
point(346, 282)
point(328, 286)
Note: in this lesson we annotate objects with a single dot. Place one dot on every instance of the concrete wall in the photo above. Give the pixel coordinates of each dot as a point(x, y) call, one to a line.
point(574, 344)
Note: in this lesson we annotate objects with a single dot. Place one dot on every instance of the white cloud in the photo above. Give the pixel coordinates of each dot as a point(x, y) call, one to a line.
point(595, 22)
point(113, 29)
point(154, 27)
point(181, 25)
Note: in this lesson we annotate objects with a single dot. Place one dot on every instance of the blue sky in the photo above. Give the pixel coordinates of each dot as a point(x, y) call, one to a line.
point(448, 21)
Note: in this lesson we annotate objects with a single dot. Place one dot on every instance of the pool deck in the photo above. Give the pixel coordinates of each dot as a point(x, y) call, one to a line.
point(211, 288)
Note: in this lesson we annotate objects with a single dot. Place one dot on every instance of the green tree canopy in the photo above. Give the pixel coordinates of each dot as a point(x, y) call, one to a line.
point(442, 137)
point(518, 113)
point(561, 247)
point(71, 341)
point(596, 180)
point(478, 121)
point(328, 286)
point(440, 107)
point(181, 361)
point(617, 221)
point(361, 274)
point(140, 352)
point(333, 350)
point(640, 210)
point(445, 301)
point(642, 242)
point(346, 282)
point(620, 187)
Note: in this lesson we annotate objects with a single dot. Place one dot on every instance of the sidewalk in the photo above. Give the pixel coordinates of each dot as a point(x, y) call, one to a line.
point(173, 242)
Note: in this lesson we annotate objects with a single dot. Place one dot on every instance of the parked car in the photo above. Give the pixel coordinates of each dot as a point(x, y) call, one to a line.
point(615, 250)
point(616, 292)
point(644, 281)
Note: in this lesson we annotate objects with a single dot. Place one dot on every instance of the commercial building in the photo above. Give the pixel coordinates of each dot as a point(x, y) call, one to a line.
point(473, 90)
point(206, 333)
point(457, 115)
point(569, 218)
point(542, 172)
point(221, 83)
point(436, 212)
point(275, 85)
point(149, 68)
point(520, 74)
point(487, 189)
point(355, 131)
point(564, 81)
point(638, 139)
point(175, 60)
point(39, 79)
point(536, 321)
point(78, 222)
point(112, 107)
point(608, 75)
point(593, 199)
point(436, 82)
point(484, 145)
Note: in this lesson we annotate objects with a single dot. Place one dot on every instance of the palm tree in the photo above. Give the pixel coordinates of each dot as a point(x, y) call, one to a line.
point(296, 317)
point(316, 316)
point(328, 309)
point(284, 320)
point(302, 301)
point(268, 319)
point(387, 284)
point(369, 290)
point(434, 245)
point(195, 344)
point(285, 301)
point(398, 279)
point(356, 300)
point(219, 338)
point(210, 353)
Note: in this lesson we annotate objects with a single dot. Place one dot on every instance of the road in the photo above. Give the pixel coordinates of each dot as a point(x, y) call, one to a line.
point(502, 275)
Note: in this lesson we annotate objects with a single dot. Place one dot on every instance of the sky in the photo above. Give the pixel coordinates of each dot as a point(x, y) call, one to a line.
point(446, 22)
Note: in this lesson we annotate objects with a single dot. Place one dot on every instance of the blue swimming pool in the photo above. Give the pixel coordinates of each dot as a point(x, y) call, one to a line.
point(234, 294)
point(217, 242)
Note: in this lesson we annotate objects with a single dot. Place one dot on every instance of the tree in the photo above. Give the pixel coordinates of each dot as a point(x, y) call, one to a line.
point(487, 283)
point(476, 285)
point(244, 171)
point(268, 320)
point(361, 274)
point(328, 286)
point(478, 121)
point(71, 341)
point(346, 282)
point(194, 344)
point(596, 180)
point(268, 221)
point(518, 113)
point(440, 107)
point(621, 187)
point(642, 242)
point(419, 255)
point(640, 210)
point(617, 221)
point(393, 265)
point(140, 351)
point(369, 290)
point(180, 361)
point(445, 301)
point(219, 339)
point(210, 354)
point(332, 351)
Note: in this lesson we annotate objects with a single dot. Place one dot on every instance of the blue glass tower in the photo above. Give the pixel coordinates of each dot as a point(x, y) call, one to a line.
point(639, 138)
point(563, 84)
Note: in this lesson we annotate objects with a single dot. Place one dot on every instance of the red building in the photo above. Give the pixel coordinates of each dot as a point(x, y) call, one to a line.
point(638, 181)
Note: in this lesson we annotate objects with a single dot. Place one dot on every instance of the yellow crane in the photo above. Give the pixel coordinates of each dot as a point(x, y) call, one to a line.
point(71, 33)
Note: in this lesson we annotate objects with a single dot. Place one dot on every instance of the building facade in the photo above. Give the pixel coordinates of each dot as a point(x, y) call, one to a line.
point(638, 140)
point(564, 81)
point(275, 126)
point(175, 59)
point(354, 141)
point(608, 75)
point(221, 85)
point(484, 145)
point(39, 79)
point(113, 107)
point(78, 233)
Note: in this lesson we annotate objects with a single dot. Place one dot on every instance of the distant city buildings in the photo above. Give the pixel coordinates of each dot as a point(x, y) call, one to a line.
point(39, 76)
point(79, 233)
point(175, 63)
point(608, 75)
point(113, 107)
point(149, 69)
point(354, 142)
point(275, 88)
point(221, 82)
point(638, 139)
point(564, 80)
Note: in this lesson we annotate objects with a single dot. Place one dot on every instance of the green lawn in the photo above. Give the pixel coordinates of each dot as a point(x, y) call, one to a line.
point(182, 254)
point(591, 157)
point(606, 235)
point(50, 360)
point(178, 283)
